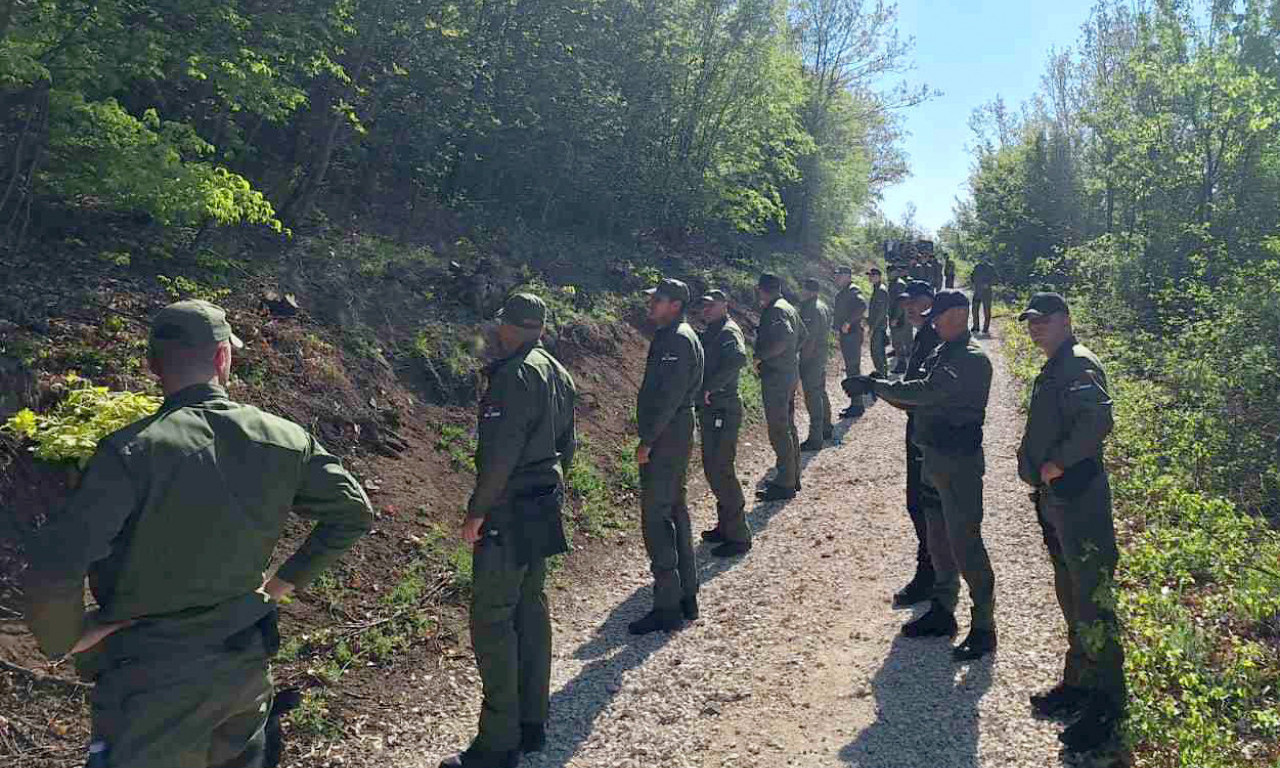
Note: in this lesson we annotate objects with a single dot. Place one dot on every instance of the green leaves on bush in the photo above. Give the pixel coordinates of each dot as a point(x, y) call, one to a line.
point(88, 413)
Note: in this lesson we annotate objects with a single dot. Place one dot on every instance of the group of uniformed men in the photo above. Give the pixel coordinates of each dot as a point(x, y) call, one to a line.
point(177, 515)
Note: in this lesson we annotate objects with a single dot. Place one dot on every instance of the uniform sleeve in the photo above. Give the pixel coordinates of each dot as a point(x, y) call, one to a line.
point(63, 551)
point(1086, 414)
point(506, 418)
point(733, 355)
point(333, 498)
point(771, 338)
point(809, 348)
point(676, 364)
point(567, 441)
point(944, 380)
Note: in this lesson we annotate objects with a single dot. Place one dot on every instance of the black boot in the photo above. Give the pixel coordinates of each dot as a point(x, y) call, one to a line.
point(774, 492)
point(655, 621)
point(809, 446)
point(979, 643)
point(689, 607)
point(1098, 726)
point(854, 411)
point(938, 622)
point(533, 737)
point(732, 549)
point(828, 432)
point(713, 536)
point(917, 590)
point(1060, 702)
point(479, 758)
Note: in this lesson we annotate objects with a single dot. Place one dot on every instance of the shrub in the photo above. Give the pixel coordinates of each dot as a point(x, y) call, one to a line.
point(71, 431)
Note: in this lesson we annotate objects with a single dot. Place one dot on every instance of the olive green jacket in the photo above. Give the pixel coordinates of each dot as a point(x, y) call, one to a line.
point(849, 308)
point(781, 334)
point(672, 379)
point(180, 512)
point(897, 313)
point(1070, 412)
point(983, 275)
point(953, 392)
point(725, 351)
point(878, 314)
point(525, 433)
point(816, 316)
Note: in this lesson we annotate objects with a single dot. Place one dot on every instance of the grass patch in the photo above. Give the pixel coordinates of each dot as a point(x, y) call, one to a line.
point(459, 444)
point(311, 716)
point(1199, 590)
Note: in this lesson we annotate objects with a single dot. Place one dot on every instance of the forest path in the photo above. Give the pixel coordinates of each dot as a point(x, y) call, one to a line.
point(797, 659)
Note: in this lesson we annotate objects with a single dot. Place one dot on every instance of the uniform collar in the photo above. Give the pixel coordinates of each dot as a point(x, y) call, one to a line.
point(519, 353)
point(1063, 349)
point(960, 341)
point(718, 324)
point(193, 395)
point(671, 327)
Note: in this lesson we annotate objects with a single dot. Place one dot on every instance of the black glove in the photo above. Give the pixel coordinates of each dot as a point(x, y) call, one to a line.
point(857, 386)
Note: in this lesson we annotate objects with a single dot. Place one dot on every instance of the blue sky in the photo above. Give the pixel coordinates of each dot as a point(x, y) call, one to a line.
point(971, 50)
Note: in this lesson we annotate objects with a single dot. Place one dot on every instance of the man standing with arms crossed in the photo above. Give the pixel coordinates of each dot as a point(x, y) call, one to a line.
point(720, 418)
point(950, 405)
point(813, 365)
point(175, 521)
point(846, 320)
point(878, 321)
point(664, 414)
point(525, 447)
point(778, 342)
point(1061, 457)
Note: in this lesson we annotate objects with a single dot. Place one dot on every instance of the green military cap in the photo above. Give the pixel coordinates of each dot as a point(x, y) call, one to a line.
point(668, 288)
point(1043, 304)
point(812, 284)
point(192, 323)
point(523, 310)
point(769, 282)
point(715, 296)
point(873, 271)
point(843, 269)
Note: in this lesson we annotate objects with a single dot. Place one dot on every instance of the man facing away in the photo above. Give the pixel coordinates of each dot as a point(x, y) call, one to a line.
point(778, 342)
point(846, 320)
point(982, 280)
point(664, 414)
point(720, 419)
point(1061, 457)
point(878, 320)
point(174, 522)
point(900, 332)
point(525, 446)
point(813, 365)
point(950, 405)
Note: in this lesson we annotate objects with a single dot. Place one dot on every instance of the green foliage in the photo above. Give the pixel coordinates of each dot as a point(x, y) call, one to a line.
point(596, 491)
point(312, 715)
point(85, 415)
point(181, 288)
point(459, 444)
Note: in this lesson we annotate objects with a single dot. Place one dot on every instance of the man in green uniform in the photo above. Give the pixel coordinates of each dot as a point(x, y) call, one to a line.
point(949, 273)
point(174, 522)
point(981, 281)
point(878, 320)
point(900, 332)
point(778, 342)
point(524, 448)
point(813, 365)
point(720, 417)
point(846, 319)
point(664, 413)
point(950, 405)
point(935, 273)
point(1061, 457)
point(922, 498)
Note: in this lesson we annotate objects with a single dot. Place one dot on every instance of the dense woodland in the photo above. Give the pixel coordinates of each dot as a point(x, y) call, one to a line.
point(760, 116)
point(1144, 182)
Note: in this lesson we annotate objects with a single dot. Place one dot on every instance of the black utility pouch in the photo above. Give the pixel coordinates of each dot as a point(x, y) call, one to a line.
point(1076, 479)
point(538, 526)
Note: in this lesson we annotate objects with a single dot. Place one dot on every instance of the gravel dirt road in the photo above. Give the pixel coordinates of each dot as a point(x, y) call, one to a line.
point(797, 660)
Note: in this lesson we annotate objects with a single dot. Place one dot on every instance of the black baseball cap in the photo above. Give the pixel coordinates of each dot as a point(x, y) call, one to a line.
point(523, 310)
point(1043, 304)
point(193, 323)
point(944, 300)
point(770, 282)
point(915, 289)
point(715, 296)
point(674, 290)
point(812, 284)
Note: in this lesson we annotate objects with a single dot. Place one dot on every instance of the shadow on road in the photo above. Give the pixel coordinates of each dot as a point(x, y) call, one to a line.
point(926, 710)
